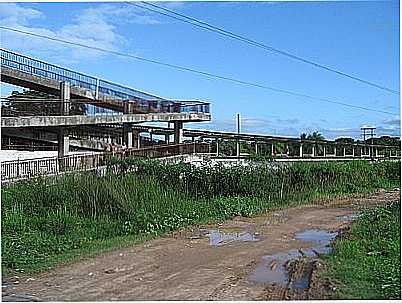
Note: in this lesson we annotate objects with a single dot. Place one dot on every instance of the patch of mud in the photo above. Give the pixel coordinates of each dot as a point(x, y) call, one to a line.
point(220, 237)
point(19, 298)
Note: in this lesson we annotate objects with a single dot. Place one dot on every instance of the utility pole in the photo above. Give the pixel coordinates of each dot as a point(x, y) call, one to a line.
point(371, 134)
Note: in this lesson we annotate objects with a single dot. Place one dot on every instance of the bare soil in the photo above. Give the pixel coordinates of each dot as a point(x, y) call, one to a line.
point(185, 266)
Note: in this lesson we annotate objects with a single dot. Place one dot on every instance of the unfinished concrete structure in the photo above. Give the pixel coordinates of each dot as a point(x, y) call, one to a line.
point(105, 103)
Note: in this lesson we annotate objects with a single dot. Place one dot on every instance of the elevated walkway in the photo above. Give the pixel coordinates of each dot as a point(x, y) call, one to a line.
point(41, 76)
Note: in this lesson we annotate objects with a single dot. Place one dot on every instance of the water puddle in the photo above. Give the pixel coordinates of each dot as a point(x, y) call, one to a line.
point(320, 238)
point(219, 237)
point(350, 217)
point(280, 269)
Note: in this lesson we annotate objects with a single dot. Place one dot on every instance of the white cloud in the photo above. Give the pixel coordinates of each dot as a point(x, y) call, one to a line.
point(95, 26)
point(13, 14)
point(392, 121)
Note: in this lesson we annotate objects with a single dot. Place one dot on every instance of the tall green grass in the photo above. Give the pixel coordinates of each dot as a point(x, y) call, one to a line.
point(367, 264)
point(43, 220)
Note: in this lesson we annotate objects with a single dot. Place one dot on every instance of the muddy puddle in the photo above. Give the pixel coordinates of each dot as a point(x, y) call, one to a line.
point(280, 269)
point(350, 217)
point(223, 237)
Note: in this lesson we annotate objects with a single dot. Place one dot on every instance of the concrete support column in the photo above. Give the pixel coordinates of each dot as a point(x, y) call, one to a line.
point(128, 135)
point(344, 151)
point(301, 150)
point(238, 148)
point(178, 132)
point(193, 139)
point(313, 151)
point(287, 149)
point(272, 149)
point(334, 151)
point(63, 142)
point(62, 136)
point(136, 137)
point(256, 148)
point(64, 98)
point(325, 150)
point(217, 147)
point(167, 139)
point(353, 151)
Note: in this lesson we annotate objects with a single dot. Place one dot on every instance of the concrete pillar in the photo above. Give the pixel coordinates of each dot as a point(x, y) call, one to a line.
point(63, 142)
point(62, 136)
point(65, 98)
point(325, 150)
point(344, 151)
point(128, 135)
point(256, 148)
point(167, 139)
point(272, 149)
point(335, 150)
point(313, 151)
point(178, 132)
point(192, 139)
point(353, 151)
point(238, 148)
point(287, 149)
point(136, 139)
point(217, 147)
point(301, 150)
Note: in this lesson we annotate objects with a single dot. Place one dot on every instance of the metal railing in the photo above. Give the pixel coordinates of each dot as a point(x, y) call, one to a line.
point(31, 168)
point(115, 91)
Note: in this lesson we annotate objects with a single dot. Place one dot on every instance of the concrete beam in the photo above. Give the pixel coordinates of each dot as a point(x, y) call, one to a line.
point(48, 121)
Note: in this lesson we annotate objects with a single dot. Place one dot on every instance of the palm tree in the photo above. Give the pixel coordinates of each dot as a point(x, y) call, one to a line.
point(316, 136)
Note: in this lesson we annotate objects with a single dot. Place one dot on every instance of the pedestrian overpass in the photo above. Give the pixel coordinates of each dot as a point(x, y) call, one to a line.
point(100, 102)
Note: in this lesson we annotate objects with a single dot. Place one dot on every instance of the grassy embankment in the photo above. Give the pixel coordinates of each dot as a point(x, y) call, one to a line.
point(45, 223)
point(366, 264)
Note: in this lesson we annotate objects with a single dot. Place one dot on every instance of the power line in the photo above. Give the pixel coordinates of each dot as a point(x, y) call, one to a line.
point(207, 74)
point(223, 32)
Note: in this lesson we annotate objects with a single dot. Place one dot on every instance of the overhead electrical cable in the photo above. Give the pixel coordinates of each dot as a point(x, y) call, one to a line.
point(230, 34)
point(207, 74)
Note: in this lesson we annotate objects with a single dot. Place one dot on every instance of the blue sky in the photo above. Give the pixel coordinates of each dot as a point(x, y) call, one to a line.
point(360, 38)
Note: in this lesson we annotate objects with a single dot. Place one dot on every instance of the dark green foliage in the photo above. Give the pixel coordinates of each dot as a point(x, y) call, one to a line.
point(44, 219)
point(368, 265)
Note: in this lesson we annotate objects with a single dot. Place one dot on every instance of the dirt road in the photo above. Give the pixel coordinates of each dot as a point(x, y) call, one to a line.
point(242, 259)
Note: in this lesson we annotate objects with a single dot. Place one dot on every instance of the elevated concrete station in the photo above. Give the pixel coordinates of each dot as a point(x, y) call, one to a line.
point(105, 104)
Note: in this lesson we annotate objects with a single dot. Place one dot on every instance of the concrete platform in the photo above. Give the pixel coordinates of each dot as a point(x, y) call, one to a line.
point(52, 121)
